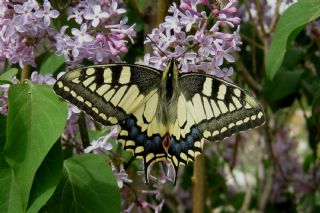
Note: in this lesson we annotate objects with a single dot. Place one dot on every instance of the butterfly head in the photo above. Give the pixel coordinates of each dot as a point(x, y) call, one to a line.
point(171, 71)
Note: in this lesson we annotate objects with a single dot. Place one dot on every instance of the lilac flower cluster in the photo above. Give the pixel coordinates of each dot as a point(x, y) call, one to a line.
point(101, 145)
point(102, 35)
point(189, 35)
point(22, 27)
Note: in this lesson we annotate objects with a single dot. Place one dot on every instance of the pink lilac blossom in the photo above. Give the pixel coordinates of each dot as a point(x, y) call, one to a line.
point(121, 176)
point(188, 35)
point(22, 28)
point(103, 33)
point(141, 202)
point(3, 8)
point(95, 15)
point(46, 13)
point(101, 145)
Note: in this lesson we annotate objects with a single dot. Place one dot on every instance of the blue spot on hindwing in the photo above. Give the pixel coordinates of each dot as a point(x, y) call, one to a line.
point(149, 146)
point(141, 139)
point(195, 133)
point(130, 122)
point(133, 132)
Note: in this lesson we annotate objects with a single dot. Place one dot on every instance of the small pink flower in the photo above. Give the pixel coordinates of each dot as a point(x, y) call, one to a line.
point(46, 13)
point(81, 35)
point(77, 15)
point(95, 15)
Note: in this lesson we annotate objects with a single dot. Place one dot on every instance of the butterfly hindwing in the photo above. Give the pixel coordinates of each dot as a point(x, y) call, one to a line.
point(109, 93)
point(143, 144)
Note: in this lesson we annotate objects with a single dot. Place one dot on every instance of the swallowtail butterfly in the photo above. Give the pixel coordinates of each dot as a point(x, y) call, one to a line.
point(162, 115)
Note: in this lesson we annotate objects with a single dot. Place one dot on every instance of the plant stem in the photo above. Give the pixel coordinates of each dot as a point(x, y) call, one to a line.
point(247, 77)
point(198, 181)
point(25, 73)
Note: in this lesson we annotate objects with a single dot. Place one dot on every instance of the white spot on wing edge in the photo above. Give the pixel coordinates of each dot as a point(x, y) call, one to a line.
point(139, 149)
point(103, 116)
point(113, 120)
point(149, 157)
point(130, 143)
point(60, 84)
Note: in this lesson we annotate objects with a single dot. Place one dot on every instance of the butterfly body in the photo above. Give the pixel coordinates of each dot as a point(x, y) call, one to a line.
point(162, 115)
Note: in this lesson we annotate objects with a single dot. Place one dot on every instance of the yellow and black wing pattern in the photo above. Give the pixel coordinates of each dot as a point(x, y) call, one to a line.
point(162, 115)
point(123, 94)
point(208, 108)
point(108, 93)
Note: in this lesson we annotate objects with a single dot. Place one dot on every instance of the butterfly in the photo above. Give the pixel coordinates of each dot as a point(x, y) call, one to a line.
point(162, 115)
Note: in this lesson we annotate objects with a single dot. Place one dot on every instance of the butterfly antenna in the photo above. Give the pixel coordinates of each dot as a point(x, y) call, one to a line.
point(187, 50)
point(157, 46)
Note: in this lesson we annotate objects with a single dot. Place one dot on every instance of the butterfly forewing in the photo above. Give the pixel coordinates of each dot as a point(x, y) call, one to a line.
point(109, 93)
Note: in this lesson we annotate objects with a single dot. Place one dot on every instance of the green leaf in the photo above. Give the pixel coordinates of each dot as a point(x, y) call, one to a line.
point(36, 118)
point(87, 185)
point(52, 64)
point(9, 191)
point(280, 92)
point(293, 19)
point(293, 56)
point(7, 76)
point(46, 179)
point(3, 121)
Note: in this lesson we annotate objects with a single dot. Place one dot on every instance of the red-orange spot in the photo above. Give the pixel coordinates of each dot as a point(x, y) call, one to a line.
point(166, 143)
